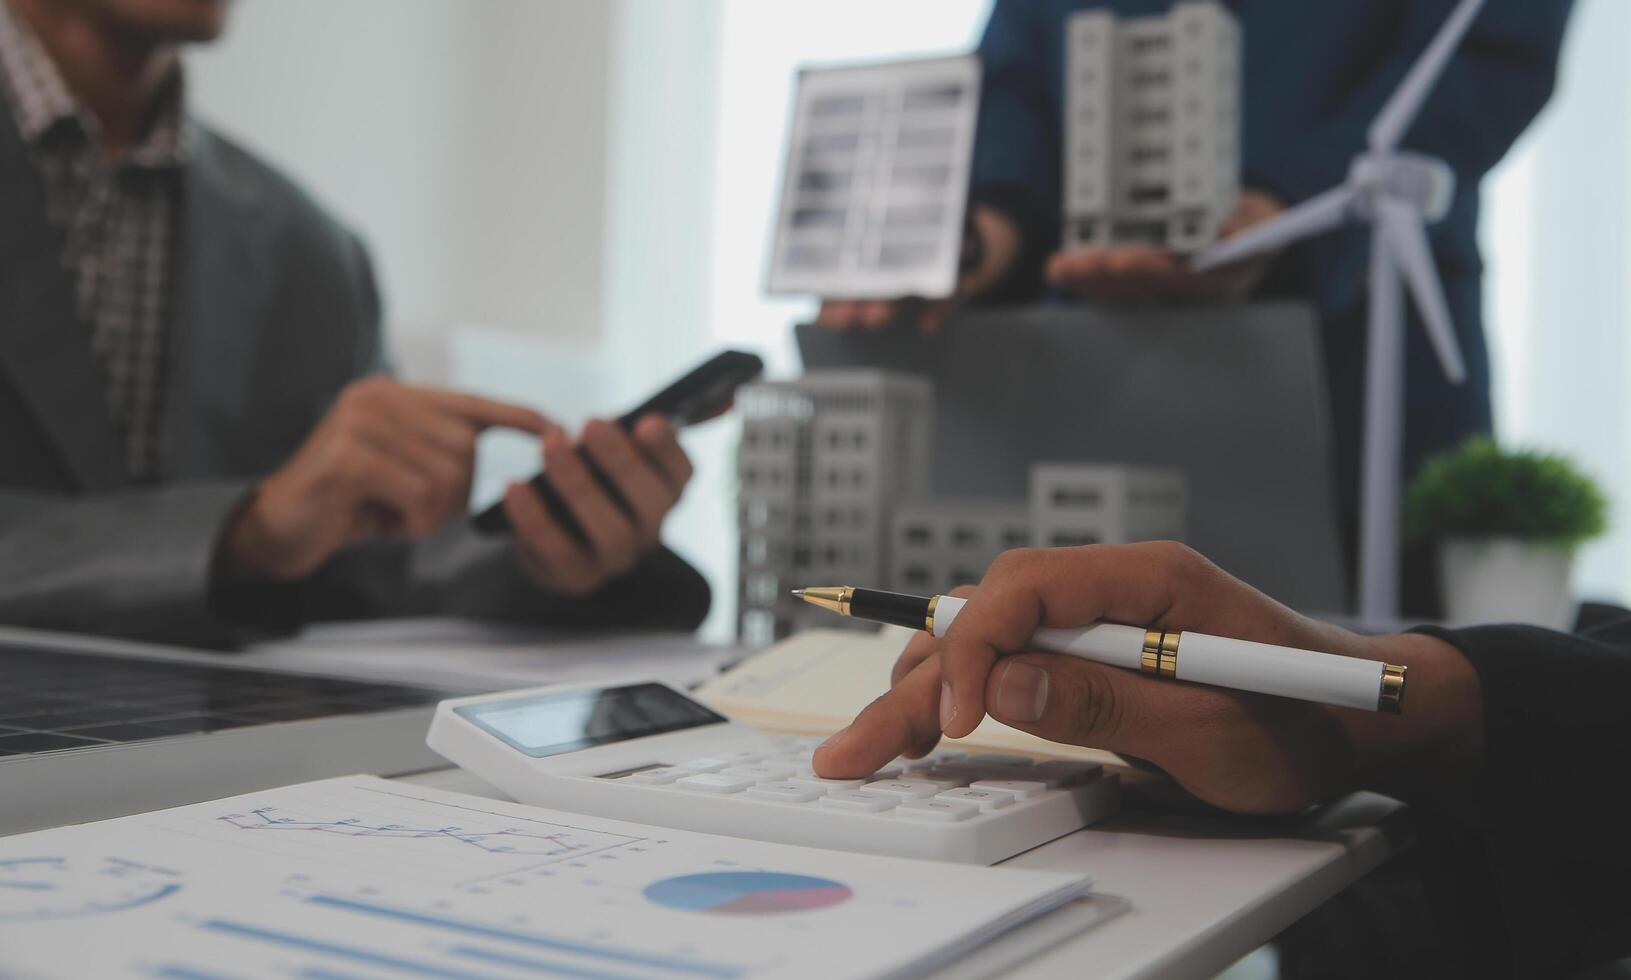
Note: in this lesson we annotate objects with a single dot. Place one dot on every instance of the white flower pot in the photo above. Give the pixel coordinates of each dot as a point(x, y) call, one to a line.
point(1505, 580)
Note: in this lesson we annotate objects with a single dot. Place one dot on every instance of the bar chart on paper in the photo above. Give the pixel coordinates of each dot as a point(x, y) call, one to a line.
point(363, 877)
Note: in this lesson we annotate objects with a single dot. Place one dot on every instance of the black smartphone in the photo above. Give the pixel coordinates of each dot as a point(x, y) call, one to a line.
point(704, 392)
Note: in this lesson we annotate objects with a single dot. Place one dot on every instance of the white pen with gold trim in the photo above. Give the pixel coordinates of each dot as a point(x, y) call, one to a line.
point(1240, 665)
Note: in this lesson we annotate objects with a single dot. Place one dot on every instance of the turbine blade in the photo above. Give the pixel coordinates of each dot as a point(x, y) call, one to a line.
point(1315, 216)
point(1407, 242)
point(1401, 109)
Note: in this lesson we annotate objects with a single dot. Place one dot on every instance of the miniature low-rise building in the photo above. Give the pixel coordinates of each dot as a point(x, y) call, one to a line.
point(834, 473)
point(1075, 504)
point(940, 544)
point(1152, 127)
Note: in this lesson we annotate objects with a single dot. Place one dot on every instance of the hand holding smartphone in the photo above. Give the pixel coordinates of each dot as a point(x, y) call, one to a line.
point(701, 394)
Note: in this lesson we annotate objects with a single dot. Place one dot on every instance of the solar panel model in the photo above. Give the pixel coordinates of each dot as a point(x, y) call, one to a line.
point(94, 728)
point(876, 180)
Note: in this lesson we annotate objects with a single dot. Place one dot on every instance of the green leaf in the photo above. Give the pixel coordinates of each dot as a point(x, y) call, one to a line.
point(1482, 490)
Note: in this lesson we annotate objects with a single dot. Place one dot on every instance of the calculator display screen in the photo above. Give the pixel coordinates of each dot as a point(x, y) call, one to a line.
point(551, 724)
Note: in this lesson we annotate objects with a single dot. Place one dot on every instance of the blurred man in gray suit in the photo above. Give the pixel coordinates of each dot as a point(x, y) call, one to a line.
point(197, 443)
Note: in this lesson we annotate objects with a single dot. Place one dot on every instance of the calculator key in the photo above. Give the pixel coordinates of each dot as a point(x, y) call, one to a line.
point(972, 772)
point(657, 777)
point(938, 778)
point(745, 757)
point(930, 761)
point(1022, 788)
point(997, 759)
point(827, 784)
point(943, 811)
point(707, 764)
point(985, 799)
point(713, 782)
point(789, 758)
point(887, 772)
point(906, 789)
point(1061, 773)
point(942, 756)
point(858, 802)
point(761, 773)
point(784, 792)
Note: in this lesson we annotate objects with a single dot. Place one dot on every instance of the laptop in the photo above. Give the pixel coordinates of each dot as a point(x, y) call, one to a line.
point(93, 728)
point(1233, 396)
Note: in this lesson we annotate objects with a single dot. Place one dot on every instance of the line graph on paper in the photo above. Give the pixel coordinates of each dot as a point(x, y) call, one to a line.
point(502, 840)
point(404, 835)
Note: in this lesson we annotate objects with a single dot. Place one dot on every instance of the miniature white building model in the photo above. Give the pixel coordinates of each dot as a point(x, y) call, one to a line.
point(834, 473)
point(1152, 123)
point(822, 461)
point(941, 544)
point(1074, 504)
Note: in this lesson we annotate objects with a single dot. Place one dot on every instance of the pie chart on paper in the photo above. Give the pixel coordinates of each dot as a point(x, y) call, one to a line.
point(747, 893)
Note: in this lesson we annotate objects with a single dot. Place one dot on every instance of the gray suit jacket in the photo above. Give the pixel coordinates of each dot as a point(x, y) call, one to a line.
point(274, 311)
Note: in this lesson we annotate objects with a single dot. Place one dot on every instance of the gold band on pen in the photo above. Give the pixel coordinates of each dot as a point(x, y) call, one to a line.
point(928, 616)
point(1150, 661)
point(1160, 654)
point(1391, 698)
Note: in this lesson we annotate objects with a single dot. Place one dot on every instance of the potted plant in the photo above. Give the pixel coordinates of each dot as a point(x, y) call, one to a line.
point(1507, 523)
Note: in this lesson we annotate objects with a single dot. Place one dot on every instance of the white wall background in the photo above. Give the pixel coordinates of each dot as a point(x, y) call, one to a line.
point(569, 201)
point(1557, 240)
point(467, 142)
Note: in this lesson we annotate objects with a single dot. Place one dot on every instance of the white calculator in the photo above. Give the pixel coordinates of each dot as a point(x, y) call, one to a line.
point(647, 753)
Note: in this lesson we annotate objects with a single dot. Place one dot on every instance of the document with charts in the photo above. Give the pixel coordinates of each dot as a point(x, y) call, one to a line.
point(361, 877)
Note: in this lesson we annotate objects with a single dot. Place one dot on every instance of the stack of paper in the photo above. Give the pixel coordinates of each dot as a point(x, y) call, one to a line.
point(816, 682)
point(360, 877)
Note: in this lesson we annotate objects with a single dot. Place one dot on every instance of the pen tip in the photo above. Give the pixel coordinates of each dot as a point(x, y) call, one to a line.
point(799, 593)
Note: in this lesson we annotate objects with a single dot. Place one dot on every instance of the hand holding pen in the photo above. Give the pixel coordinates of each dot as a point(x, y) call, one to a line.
point(1242, 751)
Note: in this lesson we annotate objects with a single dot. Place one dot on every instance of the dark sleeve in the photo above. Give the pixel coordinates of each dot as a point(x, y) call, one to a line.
point(1539, 888)
point(1494, 87)
point(363, 582)
point(136, 563)
point(1017, 145)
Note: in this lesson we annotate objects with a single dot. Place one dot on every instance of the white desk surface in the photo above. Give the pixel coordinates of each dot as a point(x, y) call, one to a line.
point(1205, 891)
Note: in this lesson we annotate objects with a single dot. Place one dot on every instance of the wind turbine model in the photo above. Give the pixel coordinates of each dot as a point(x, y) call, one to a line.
point(1398, 194)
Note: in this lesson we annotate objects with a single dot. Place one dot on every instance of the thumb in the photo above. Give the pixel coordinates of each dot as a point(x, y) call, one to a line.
point(1065, 699)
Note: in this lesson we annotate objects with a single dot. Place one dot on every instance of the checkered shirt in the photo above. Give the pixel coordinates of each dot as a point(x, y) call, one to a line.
point(117, 219)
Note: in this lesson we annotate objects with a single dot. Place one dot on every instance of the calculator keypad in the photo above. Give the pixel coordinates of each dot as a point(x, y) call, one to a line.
point(947, 786)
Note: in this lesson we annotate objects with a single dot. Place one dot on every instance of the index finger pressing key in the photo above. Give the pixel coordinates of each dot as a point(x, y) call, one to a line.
point(901, 722)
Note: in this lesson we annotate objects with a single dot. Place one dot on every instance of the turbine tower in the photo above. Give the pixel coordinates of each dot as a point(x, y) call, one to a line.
point(1399, 194)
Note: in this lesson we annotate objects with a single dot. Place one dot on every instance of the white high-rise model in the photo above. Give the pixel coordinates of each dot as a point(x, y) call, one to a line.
point(1152, 126)
point(1398, 193)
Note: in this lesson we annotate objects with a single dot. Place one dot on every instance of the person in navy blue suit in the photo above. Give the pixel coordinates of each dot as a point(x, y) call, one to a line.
point(1316, 74)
